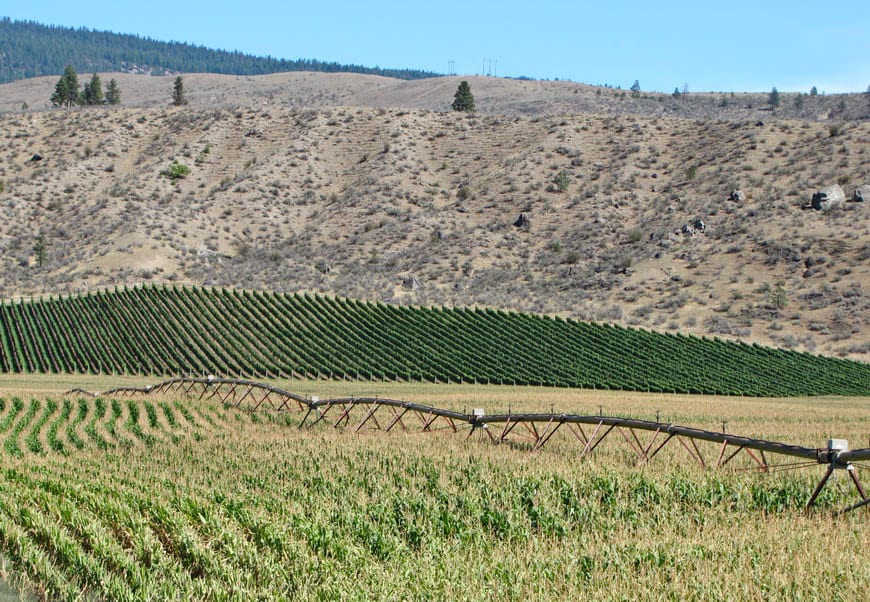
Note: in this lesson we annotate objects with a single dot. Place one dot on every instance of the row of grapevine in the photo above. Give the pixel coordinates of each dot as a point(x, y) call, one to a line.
point(168, 330)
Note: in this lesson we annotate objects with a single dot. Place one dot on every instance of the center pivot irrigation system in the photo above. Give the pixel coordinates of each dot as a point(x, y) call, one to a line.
point(532, 431)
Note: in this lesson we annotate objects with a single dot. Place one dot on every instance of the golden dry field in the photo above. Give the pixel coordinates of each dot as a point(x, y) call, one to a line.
point(173, 498)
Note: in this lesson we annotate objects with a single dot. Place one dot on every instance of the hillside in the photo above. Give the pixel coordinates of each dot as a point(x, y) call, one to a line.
point(29, 49)
point(493, 96)
point(417, 206)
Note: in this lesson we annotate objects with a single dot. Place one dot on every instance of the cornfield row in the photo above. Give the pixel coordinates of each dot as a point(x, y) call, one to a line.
point(195, 501)
point(180, 331)
point(40, 427)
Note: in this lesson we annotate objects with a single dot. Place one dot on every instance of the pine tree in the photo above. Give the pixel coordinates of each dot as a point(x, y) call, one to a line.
point(113, 93)
point(66, 91)
point(635, 88)
point(40, 248)
point(178, 94)
point(93, 92)
point(773, 98)
point(463, 100)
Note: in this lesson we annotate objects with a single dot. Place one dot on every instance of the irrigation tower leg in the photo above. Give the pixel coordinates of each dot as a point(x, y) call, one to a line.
point(820, 486)
point(860, 504)
point(865, 501)
point(854, 474)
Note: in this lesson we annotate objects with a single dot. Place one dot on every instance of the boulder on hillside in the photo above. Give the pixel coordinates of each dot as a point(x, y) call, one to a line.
point(36, 158)
point(828, 197)
point(861, 194)
point(737, 195)
point(411, 283)
point(696, 227)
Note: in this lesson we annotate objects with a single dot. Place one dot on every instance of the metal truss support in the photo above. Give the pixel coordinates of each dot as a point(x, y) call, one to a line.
point(536, 432)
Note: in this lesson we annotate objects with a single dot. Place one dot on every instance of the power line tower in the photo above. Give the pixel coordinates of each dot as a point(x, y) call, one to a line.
point(451, 67)
point(489, 67)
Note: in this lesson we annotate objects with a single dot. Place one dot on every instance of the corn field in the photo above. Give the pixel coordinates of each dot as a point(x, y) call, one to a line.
point(132, 499)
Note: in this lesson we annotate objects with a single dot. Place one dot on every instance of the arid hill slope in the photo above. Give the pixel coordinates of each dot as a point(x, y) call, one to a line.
point(417, 206)
point(496, 96)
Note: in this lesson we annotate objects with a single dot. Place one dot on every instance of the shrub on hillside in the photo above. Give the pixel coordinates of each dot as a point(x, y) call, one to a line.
point(176, 171)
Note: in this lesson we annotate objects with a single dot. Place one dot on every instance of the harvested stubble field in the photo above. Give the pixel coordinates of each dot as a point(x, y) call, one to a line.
point(186, 499)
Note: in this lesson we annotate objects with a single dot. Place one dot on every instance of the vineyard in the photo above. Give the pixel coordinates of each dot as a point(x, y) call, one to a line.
point(182, 331)
point(170, 497)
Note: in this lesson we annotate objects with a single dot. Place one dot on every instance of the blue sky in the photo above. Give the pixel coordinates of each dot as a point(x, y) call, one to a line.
point(716, 46)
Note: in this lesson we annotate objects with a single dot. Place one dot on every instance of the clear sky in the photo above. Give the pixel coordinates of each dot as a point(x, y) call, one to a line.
point(711, 46)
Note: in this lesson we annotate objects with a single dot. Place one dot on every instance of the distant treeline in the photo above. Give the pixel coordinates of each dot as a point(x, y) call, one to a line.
point(29, 49)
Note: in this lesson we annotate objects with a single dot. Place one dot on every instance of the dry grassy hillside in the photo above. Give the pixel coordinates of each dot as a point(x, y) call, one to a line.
point(496, 96)
point(417, 206)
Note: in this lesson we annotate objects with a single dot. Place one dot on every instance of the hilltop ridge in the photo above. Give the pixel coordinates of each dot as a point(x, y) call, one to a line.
point(493, 96)
point(30, 49)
